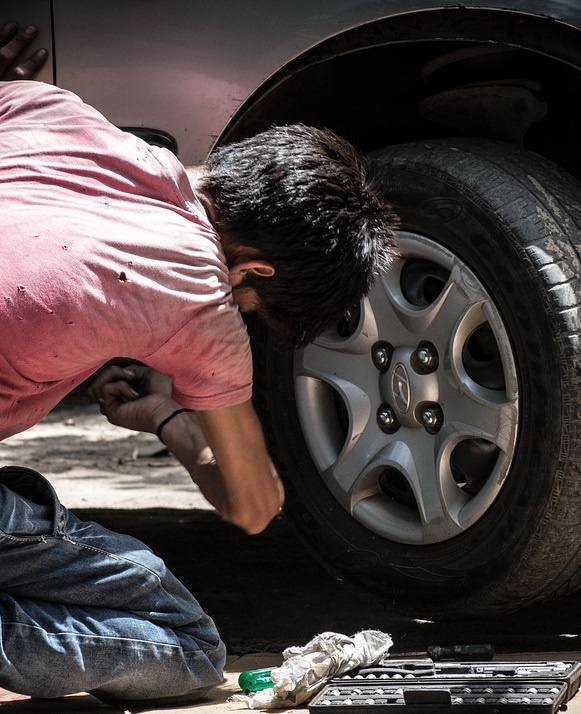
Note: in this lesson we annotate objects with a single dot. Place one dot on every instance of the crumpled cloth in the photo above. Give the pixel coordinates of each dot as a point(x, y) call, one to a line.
point(305, 670)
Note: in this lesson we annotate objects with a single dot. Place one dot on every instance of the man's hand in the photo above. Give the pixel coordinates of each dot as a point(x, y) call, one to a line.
point(135, 397)
point(222, 449)
point(12, 45)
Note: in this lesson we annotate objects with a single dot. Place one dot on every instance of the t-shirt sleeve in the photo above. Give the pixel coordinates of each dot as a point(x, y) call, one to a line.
point(209, 360)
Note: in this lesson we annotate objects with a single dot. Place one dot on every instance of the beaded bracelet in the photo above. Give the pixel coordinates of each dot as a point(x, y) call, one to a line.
point(167, 419)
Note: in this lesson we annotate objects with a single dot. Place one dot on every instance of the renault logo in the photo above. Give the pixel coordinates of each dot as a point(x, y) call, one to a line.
point(400, 387)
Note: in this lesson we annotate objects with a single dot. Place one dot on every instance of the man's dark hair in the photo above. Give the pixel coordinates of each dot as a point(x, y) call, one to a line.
point(302, 197)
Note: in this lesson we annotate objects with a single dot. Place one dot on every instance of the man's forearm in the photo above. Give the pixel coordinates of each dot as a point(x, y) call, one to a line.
point(249, 496)
point(222, 449)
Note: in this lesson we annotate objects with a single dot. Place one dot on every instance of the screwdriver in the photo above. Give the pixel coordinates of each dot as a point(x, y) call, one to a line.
point(457, 653)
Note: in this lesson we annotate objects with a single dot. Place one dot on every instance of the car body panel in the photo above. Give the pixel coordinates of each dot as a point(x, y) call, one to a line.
point(187, 68)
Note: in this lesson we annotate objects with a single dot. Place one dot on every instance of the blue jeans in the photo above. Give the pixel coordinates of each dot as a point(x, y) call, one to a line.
point(83, 609)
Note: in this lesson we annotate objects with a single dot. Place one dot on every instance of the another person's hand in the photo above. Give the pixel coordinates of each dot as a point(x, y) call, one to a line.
point(13, 45)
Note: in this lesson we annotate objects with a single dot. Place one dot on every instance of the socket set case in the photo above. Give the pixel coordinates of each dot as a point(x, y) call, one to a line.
point(422, 686)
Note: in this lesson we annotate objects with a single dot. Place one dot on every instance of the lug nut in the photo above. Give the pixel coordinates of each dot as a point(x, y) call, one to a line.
point(386, 417)
point(387, 420)
point(424, 356)
point(381, 355)
point(427, 357)
point(432, 418)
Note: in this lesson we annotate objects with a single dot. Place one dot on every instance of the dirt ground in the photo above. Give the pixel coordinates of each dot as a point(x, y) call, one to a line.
point(265, 592)
point(93, 464)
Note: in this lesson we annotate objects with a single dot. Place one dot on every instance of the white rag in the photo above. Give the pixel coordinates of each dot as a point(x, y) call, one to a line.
point(305, 670)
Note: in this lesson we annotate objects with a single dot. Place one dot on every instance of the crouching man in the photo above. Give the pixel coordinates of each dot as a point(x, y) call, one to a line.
point(111, 248)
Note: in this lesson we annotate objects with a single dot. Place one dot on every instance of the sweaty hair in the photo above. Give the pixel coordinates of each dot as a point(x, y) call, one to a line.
point(302, 197)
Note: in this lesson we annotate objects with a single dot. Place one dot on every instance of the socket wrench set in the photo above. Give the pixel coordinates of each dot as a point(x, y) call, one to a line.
point(423, 686)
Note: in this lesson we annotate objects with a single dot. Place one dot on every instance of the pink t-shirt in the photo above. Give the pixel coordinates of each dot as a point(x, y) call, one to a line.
point(105, 252)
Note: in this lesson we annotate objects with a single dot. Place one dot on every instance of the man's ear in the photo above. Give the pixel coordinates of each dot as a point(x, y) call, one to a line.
point(241, 268)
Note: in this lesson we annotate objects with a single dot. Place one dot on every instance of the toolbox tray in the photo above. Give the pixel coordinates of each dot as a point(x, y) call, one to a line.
point(423, 686)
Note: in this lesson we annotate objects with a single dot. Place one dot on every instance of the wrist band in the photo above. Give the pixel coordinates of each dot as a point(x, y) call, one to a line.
point(169, 418)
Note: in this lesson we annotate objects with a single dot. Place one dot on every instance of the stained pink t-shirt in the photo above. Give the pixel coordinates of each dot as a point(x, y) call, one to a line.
point(105, 252)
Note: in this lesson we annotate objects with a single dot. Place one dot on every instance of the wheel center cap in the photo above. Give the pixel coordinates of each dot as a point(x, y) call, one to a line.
point(404, 388)
point(401, 388)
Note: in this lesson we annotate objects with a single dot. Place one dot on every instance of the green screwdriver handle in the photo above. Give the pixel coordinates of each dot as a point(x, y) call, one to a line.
point(255, 680)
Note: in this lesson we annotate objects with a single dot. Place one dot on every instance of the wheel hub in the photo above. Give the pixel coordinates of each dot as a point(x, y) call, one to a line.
point(405, 389)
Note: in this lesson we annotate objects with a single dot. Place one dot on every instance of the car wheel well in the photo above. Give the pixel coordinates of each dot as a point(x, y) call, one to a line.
point(449, 72)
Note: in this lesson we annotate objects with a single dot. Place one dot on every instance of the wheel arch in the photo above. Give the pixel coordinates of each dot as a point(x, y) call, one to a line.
point(369, 82)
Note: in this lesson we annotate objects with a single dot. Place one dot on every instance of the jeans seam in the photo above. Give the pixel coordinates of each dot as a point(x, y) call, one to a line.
point(114, 556)
point(92, 548)
point(24, 539)
point(93, 636)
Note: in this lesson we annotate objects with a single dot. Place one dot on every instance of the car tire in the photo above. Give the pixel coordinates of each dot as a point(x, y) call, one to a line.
point(487, 425)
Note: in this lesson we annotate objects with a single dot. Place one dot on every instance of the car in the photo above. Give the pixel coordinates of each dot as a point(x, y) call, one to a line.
point(431, 443)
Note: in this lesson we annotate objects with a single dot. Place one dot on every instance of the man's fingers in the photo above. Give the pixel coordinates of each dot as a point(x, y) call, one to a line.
point(11, 49)
point(7, 32)
point(111, 374)
point(107, 375)
point(115, 392)
point(27, 69)
point(12, 45)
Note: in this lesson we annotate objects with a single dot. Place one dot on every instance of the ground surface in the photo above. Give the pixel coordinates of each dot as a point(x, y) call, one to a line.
point(94, 464)
point(265, 592)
